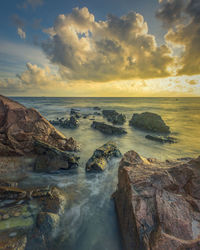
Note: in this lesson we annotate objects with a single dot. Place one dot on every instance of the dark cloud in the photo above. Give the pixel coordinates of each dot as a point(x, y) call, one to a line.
point(171, 11)
point(185, 33)
point(32, 3)
point(18, 21)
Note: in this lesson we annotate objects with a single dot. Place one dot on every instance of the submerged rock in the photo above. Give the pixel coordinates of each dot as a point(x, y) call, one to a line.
point(114, 117)
point(150, 122)
point(108, 129)
point(101, 156)
point(158, 203)
point(96, 108)
point(51, 159)
point(161, 139)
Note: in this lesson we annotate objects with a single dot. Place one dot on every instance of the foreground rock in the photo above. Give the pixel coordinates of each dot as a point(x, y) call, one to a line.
point(101, 156)
point(29, 221)
point(149, 122)
point(158, 204)
point(20, 126)
point(20, 131)
point(108, 129)
point(114, 117)
point(161, 139)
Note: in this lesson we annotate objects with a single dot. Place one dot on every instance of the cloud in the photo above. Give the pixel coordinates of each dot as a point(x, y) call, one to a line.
point(192, 82)
point(170, 11)
point(186, 34)
point(115, 49)
point(21, 33)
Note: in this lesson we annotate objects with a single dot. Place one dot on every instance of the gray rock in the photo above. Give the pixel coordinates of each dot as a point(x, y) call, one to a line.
point(101, 156)
point(149, 122)
point(114, 117)
point(72, 122)
point(96, 108)
point(108, 129)
point(75, 113)
point(161, 139)
point(51, 159)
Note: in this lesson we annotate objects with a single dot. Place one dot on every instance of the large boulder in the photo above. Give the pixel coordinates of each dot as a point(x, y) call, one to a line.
point(20, 126)
point(158, 203)
point(149, 122)
point(101, 156)
point(114, 117)
point(108, 129)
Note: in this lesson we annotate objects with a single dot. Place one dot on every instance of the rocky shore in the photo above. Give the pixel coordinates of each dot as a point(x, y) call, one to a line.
point(158, 203)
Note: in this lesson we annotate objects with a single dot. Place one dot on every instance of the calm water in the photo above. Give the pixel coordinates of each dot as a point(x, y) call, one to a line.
point(89, 222)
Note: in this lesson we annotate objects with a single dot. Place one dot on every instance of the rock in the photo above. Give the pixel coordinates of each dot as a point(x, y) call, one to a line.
point(11, 193)
point(114, 117)
point(101, 156)
point(108, 129)
point(72, 122)
point(97, 113)
point(149, 122)
point(75, 113)
point(161, 139)
point(51, 159)
point(96, 108)
point(13, 243)
point(158, 203)
point(20, 126)
point(47, 222)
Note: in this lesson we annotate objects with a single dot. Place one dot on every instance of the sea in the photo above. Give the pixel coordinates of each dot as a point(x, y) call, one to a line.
point(90, 220)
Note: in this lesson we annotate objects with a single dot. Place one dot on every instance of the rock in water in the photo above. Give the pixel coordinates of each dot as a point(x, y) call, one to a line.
point(161, 139)
point(158, 203)
point(114, 117)
point(108, 129)
point(72, 122)
point(150, 122)
point(51, 159)
point(20, 126)
point(101, 156)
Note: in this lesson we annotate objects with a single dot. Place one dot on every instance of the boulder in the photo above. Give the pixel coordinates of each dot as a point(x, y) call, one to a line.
point(158, 203)
point(96, 108)
point(161, 139)
point(114, 117)
point(108, 129)
point(149, 122)
point(101, 156)
point(72, 122)
point(20, 126)
point(51, 159)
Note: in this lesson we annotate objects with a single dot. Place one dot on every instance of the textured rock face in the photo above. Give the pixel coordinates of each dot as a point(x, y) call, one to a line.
point(101, 156)
point(20, 126)
point(158, 204)
point(108, 129)
point(150, 122)
point(114, 117)
point(72, 122)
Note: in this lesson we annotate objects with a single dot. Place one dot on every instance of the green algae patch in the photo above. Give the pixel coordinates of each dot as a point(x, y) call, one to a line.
point(17, 222)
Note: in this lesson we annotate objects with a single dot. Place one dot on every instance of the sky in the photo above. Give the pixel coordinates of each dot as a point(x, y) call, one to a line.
point(122, 48)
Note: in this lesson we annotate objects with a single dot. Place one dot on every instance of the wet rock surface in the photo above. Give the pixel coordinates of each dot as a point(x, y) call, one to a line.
point(31, 218)
point(99, 160)
point(161, 139)
point(71, 122)
point(158, 203)
point(108, 129)
point(149, 122)
point(114, 117)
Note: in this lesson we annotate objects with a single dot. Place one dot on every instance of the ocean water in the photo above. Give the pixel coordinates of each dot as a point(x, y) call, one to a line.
point(90, 222)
